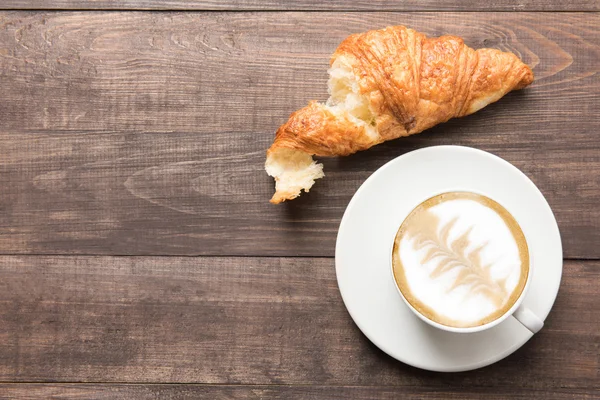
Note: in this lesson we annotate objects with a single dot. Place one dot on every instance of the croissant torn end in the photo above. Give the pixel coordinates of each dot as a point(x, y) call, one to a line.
point(295, 170)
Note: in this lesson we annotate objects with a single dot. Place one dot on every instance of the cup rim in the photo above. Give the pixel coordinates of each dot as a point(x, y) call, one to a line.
point(471, 329)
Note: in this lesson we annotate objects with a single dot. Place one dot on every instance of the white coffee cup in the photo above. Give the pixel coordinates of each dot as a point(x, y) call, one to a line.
point(521, 313)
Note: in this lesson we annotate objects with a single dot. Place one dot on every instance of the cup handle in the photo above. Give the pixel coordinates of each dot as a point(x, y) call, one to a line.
point(528, 319)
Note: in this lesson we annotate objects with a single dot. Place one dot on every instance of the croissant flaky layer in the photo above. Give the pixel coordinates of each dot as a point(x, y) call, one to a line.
point(385, 84)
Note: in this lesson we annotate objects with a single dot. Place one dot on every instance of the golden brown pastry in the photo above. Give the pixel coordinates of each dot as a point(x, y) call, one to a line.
point(385, 84)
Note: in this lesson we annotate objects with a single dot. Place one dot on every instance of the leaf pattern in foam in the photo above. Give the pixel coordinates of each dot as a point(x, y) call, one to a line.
point(449, 254)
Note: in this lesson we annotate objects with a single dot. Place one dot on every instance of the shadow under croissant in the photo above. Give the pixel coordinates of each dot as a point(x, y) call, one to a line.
point(295, 209)
point(354, 170)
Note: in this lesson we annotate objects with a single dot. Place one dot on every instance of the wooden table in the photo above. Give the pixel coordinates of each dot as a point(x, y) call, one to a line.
point(140, 257)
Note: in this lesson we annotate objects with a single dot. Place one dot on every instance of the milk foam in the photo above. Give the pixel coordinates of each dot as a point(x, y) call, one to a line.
point(469, 302)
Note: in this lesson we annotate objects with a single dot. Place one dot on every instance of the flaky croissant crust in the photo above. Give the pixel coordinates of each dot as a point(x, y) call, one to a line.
point(385, 84)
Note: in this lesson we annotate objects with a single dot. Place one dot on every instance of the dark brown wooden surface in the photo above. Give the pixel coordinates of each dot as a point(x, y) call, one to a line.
point(130, 139)
point(274, 392)
point(310, 5)
point(241, 320)
point(145, 133)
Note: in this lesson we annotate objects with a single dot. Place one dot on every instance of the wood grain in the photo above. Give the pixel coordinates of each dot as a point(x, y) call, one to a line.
point(117, 138)
point(311, 5)
point(144, 134)
point(182, 392)
point(251, 321)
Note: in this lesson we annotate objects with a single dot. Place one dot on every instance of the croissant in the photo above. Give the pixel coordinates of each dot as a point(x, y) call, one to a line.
point(384, 84)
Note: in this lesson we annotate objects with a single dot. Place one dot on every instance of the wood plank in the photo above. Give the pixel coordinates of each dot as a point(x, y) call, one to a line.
point(258, 5)
point(120, 139)
point(246, 321)
point(181, 392)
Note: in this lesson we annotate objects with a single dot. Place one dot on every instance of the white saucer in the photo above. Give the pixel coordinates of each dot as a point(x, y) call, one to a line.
point(375, 214)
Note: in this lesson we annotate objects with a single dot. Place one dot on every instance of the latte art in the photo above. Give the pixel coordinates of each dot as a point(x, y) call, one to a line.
point(460, 259)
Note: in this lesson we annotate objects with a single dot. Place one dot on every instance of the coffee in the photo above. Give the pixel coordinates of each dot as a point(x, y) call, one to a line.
point(460, 259)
